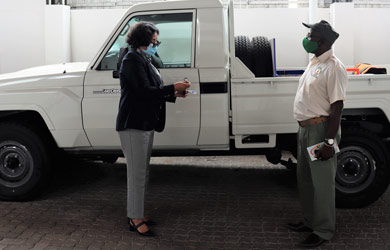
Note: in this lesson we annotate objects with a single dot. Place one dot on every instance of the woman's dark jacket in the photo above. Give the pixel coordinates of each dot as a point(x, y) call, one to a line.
point(143, 96)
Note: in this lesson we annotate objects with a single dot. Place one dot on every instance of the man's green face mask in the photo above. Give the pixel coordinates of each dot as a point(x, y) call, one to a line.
point(309, 46)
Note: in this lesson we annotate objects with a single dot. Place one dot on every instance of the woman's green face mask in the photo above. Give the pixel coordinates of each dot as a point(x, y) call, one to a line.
point(309, 46)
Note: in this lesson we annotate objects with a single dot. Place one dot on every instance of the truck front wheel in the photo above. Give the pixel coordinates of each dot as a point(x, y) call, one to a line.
point(363, 171)
point(23, 162)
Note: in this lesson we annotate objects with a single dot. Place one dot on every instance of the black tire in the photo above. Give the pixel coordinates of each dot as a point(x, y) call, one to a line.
point(262, 57)
point(243, 50)
point(363, 169)
point(109, 159)
point(24, 162)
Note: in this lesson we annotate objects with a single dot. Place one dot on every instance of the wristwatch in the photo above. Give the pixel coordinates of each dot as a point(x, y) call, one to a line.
point(329, 142)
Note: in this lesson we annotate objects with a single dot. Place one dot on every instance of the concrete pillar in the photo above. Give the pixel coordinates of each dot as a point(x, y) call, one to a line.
point(342, 19)
point(313, 6)
point(57, 34)
point(21, 34)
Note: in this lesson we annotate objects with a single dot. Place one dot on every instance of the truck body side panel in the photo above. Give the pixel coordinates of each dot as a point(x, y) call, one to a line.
point(214, 77)
point(55, 96)
point(265, 105)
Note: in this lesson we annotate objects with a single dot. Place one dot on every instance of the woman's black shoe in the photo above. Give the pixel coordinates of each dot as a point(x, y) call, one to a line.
point(134, 228)
point(148, 222)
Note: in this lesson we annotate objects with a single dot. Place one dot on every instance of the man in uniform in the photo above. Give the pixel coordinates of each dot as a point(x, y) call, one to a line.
point(317, 108)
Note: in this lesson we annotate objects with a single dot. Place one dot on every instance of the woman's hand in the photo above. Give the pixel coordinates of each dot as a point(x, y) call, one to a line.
point(182, 94)
point(181, 86)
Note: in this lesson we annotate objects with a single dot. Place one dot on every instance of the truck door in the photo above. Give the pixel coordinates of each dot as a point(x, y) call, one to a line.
point(102, 90)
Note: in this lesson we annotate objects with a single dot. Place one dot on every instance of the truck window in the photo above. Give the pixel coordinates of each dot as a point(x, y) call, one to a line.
point(175, 36)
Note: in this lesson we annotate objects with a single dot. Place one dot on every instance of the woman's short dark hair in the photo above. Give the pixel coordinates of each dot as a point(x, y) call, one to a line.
point(141, 34)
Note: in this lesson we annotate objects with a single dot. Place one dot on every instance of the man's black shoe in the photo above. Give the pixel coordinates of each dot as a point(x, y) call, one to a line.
point(311, 241)
point(299, 227)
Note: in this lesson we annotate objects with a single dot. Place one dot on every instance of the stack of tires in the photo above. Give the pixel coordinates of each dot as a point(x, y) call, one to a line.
point(255, 54)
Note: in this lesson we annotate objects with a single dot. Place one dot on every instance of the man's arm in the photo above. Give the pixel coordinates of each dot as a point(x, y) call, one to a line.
point(334, 119)
point(336, 109)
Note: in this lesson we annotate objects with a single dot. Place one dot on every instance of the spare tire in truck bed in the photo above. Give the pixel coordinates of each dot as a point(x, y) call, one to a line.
point(243, 50)
point(261, 57)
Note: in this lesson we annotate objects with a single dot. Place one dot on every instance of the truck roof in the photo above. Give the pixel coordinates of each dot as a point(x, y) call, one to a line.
point(175, 4)
point(158, 6)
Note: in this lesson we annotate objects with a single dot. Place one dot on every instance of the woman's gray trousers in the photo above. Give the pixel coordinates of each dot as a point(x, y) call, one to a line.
point(137, 148)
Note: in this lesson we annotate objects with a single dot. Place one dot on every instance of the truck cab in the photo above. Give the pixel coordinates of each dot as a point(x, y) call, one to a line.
point(188, 35)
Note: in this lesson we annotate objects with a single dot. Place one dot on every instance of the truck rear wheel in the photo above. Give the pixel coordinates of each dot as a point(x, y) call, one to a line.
point(243, 50)
point(262, 57)
point(363, 170)
point(23, 162)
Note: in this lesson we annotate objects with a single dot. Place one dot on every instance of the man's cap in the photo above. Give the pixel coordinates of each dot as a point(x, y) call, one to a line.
point(325, 29)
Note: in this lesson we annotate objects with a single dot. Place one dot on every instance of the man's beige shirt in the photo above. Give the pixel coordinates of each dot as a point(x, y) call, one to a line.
point(323, 83)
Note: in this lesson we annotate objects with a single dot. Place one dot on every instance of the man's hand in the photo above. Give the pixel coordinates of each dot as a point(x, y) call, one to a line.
point(325, 153)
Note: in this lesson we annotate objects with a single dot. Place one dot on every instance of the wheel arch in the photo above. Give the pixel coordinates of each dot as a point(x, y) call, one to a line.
point(14, 111)
point(31, 118)
point(372, 119)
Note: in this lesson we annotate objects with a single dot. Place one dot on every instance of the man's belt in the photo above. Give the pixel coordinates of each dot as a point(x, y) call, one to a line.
point(313, 121)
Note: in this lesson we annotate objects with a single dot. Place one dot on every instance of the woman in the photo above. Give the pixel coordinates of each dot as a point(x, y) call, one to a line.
point(141, 112)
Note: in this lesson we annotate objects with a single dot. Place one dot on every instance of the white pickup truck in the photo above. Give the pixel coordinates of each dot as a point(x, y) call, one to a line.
point(240, 105)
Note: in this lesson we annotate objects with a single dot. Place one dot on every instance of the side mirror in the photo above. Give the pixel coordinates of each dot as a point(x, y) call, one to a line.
point(115, 74)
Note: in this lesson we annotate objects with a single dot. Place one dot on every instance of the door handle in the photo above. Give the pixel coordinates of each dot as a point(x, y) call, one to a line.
point(115, 74)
